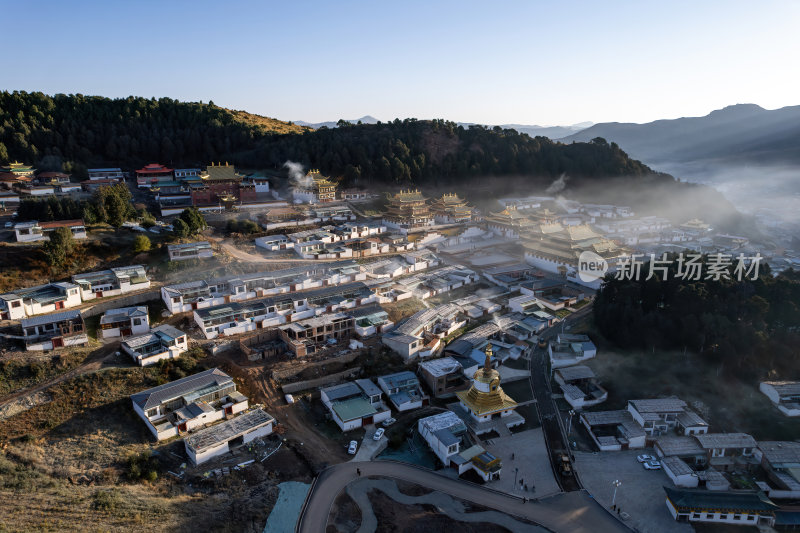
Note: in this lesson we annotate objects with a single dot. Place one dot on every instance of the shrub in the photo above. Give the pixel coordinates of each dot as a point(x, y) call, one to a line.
point(141, 244)
point(107, 500)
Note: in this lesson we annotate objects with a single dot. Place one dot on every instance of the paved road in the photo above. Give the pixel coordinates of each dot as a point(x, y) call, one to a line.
point(548, 413)
point(573, 512)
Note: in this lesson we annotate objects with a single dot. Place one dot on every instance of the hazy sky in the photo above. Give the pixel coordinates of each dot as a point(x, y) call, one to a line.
point(529, 62)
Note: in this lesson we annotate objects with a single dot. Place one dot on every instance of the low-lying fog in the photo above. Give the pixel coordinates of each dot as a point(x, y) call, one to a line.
point(771, 192)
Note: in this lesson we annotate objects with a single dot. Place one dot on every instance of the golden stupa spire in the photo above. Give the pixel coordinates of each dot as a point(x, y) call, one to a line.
point(487, 364)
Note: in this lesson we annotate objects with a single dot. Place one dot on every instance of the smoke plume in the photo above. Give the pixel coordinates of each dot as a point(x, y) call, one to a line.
point(557, 186)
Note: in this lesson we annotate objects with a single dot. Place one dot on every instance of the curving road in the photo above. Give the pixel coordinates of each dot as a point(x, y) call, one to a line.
point(573, 512)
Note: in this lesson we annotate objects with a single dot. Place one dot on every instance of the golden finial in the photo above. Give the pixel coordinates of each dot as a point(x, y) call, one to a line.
point(487, 364)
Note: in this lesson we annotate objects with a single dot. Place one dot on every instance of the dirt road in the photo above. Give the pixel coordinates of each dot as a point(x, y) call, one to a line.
point(92, 363)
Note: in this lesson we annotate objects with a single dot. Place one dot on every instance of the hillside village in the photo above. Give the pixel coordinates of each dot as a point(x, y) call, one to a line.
point(305, 325)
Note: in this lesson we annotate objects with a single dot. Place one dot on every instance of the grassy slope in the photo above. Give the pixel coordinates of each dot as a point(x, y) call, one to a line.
point(267, 124)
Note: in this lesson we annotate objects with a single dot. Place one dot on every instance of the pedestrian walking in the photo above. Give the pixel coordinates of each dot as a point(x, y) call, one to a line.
point(617, 511)
point(512, 456)
point(358, 471)
point(526, 487)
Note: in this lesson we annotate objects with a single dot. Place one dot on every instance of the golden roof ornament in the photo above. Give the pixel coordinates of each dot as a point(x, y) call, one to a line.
point(487, 364)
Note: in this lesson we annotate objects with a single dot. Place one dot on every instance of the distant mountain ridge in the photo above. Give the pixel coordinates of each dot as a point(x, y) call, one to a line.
point(366, 119)
point(551, 132)
point(737, 134)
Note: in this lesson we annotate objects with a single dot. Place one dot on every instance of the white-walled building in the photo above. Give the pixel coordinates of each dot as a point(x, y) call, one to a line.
point(162, 342)
point(221, 438)
point(112, 282)
point(355, 404)
point(38, 300)
point(38, 231)
point(657, 416)
point(403, 390)
point(124, 322)
point(613, 430)
point(448, 438)
point(570, 350)
point(784, 394)
point(57, 330)
point(202, 294)
point(420, 335)
point(738, 508)
point(188, 403)
point(235, 317)
point(191, 250)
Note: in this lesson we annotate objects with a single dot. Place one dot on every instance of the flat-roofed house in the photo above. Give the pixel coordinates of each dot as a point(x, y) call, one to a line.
point(38, 231)
point(190, 250)
point(57, 330)
point(370, 320)
point(570, 349)
point(239, 317)
point(448, 437)
point(658, 416)
point(682, 446)
point(740, 508)
point(112, 282)
point(313, 334)
point(729, 451)
point(191, 295)
point(420, 335)
point(162, 342)
point(355, 404)
point(443, 376)
point(188, 403)
point(613, 430)
point(580, 386)
point(124, 322)
point(221, 438)
point(784, 394)
point(112, 174)
point(403, 390)
point(681, 474)
point(38, 300)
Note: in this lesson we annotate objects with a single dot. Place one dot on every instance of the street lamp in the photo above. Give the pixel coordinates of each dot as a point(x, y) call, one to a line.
point(616, 484)
point(569, 427)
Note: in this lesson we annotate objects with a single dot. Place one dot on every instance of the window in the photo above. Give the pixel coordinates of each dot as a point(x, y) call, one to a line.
point(15, 304)
point(723, 516)
point(137, 321)
point(737, 517)
point(695, 515)
point(709, 516)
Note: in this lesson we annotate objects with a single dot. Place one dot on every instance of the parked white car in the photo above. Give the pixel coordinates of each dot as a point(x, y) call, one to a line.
point(289, 399)
point(378, 434)
point(651, 465)
point(645, 458)
point(352, 448)
point(388, 422)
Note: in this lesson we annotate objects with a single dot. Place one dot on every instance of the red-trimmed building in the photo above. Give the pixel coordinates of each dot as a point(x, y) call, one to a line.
point(222, 184)
point(152, 174)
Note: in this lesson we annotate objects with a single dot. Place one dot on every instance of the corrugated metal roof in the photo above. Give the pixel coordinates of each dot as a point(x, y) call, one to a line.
point(154, 397)
point(49, 319)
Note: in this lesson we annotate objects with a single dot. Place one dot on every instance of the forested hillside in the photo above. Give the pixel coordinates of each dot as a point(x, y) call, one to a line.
point(750, 327)
point(76, 131)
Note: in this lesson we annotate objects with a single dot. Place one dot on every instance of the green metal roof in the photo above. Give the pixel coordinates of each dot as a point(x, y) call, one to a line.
point(353, 408)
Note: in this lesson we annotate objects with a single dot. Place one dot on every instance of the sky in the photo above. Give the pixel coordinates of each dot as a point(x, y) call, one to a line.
point(500, 62)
